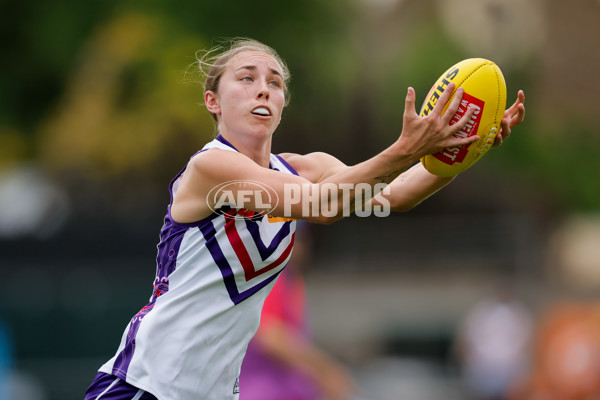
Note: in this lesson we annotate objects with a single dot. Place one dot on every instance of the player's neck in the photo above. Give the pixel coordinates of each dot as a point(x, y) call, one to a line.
point(257, 149)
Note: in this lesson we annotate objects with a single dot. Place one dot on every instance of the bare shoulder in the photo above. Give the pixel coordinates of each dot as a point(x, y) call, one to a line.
point(314, 167)
point(215, 160)
point(212, 167)
point(205, 170)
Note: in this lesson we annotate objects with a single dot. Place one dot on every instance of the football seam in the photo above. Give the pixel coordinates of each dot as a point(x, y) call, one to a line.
point(497, 85)
point(498, 91)
point(472, 72)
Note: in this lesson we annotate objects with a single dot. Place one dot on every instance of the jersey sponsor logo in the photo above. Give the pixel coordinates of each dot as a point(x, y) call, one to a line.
point(236, 386)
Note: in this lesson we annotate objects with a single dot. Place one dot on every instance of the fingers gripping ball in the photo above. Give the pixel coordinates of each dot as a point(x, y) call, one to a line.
point(485, 89)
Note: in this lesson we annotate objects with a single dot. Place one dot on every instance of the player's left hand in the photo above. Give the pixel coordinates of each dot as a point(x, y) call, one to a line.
point(512, 117)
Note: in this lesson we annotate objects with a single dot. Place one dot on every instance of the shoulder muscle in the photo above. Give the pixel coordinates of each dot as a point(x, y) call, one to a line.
point(315, 167)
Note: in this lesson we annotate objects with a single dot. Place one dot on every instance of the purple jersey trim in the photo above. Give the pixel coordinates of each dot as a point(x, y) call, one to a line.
point(225, 141)
point(110, 387)
point(171, 236)
point(288, 166)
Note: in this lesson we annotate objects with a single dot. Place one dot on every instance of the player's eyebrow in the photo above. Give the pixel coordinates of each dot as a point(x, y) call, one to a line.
point(253, 68)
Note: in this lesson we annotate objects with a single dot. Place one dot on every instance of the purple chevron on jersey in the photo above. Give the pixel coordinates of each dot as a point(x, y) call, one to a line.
point(265, 251)
point(237, 296)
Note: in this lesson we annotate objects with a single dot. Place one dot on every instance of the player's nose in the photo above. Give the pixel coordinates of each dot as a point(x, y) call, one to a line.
point(263, 91)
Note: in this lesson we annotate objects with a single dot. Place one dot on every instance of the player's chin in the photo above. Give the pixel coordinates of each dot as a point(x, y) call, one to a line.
point(263, 131)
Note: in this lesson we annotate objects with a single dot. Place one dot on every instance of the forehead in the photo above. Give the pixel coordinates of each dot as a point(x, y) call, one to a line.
point(253, 58)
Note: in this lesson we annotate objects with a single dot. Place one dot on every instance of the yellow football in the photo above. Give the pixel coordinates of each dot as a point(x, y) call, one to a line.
point(485, 89)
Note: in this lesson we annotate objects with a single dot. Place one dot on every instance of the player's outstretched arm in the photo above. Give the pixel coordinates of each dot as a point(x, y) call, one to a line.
point(420, 136)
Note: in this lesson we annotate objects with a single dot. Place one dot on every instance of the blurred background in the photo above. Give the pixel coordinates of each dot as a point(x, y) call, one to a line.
point(491, 285)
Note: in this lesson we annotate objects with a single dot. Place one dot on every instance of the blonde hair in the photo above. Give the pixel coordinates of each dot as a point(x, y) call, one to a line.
point(212, 63)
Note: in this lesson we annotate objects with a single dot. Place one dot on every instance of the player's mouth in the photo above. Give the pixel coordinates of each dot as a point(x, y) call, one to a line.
point(262, 111)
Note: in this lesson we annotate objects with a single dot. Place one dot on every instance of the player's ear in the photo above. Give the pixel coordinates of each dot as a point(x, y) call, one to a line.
point(212, 102)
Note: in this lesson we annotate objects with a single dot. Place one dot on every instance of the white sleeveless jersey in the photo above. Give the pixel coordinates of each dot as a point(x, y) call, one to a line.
point(212, 278)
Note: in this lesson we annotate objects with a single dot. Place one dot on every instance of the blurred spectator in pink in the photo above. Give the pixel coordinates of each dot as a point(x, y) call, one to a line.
point(282, 363)
point(494, 345)
point(567, 356)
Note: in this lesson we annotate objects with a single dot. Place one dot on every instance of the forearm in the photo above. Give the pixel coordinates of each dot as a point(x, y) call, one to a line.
point(382, 168)
point(410, 188)
point(340, 188)
point(357, 184)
